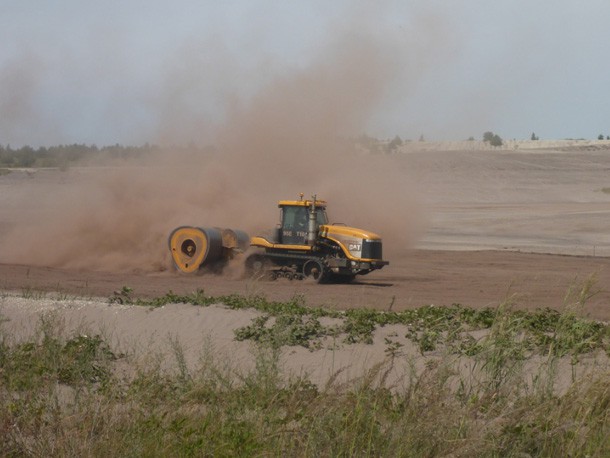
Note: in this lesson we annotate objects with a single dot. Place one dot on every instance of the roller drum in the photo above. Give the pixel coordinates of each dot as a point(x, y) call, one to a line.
point(194, 247)
point(235, 239)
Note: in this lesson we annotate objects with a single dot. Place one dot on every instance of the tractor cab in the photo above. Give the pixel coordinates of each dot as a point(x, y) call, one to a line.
point(300, 220)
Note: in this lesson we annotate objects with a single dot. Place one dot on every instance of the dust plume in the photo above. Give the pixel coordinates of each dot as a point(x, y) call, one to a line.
point(20, 86)
point(290, 137)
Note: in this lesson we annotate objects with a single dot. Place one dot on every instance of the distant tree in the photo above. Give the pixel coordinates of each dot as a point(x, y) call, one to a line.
point(421, 138)
point(65, 155)
point(600, 137)
point(607, 137)
point(492, 139)
point(27, 157)
point(470, 139)
point(395, 143)
point(495, 140)
point(534, 137)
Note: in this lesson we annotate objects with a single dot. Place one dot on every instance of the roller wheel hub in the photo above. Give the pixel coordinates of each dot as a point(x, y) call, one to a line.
point(314, 270)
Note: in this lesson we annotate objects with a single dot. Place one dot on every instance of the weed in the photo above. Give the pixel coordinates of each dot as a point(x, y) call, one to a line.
point(502, 351)
point(286, 330)
point(79, 360)
point(392, 348)
point(61, 295)
point(31, 293)
point(123, 296)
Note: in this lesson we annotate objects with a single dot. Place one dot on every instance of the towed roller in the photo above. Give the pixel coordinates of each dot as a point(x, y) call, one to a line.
point(234, 239)
point(196, 247)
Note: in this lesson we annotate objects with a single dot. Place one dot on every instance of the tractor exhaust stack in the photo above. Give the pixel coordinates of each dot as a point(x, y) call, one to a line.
point(312, 223)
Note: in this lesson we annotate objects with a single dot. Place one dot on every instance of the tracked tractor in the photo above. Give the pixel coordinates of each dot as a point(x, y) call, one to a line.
point(304, 245)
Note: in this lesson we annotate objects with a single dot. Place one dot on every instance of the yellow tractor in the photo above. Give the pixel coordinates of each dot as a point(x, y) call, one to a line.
point(304, 245)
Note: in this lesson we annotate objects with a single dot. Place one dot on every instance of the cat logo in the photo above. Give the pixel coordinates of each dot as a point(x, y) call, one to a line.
point(354, 247)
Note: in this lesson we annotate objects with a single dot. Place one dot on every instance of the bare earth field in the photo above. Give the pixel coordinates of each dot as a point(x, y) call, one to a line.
point(520, 224)
point(422, 277)
point(497, 223)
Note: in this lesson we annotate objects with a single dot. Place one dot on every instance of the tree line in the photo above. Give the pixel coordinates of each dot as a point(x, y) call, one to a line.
point(64, 156)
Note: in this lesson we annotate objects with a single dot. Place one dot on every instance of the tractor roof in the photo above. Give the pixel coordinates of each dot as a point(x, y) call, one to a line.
point(300, 203)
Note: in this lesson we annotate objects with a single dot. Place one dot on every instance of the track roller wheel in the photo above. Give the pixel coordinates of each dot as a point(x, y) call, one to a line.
point(314, 270)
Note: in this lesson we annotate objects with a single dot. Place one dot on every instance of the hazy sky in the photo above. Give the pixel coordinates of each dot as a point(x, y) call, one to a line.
point(155, 71)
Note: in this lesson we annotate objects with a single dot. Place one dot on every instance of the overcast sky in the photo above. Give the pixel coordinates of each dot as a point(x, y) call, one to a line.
point(129, 72)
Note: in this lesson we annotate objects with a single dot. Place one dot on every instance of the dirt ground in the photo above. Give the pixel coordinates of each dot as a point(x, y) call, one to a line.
point(520, 224)
point(439, 277)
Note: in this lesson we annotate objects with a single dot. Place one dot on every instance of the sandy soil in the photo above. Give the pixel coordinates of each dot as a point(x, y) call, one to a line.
point(204, 335)
point(510, 223)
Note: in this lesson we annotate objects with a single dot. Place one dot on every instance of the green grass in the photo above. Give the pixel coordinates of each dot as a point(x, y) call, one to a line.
point(64, 395)
point(4, 172)
point(429, 327)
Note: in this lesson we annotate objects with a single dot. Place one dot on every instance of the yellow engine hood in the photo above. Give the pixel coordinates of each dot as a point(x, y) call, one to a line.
point(327, 230)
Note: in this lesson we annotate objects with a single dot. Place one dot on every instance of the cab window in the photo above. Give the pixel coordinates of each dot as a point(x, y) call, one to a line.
point(322, 218)
point(295, 218)
point(298, 217)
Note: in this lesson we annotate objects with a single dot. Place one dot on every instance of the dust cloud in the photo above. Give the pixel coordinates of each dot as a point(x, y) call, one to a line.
point(21, 83)
point(290, 137)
